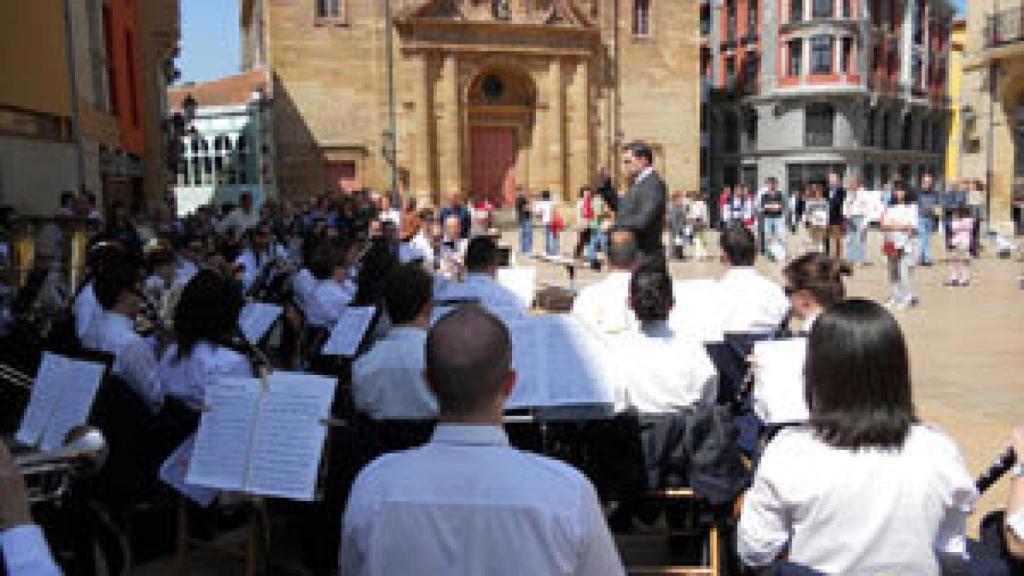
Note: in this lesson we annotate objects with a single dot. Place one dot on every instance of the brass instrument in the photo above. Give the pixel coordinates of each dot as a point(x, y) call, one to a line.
point(15, 377)
point(48, 476)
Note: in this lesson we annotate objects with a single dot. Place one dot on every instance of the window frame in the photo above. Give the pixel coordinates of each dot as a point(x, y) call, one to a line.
point(330, 12)
point(817, 132)
point(641, 25)
point(796, 56)
point(817, 41)
point(798, 14)
point(818, 9)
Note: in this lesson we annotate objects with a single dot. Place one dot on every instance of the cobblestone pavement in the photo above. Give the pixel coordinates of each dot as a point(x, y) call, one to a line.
point(967, 351)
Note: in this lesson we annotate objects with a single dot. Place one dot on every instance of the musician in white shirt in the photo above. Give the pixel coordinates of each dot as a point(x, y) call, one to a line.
point(334, 293)
point(117, 290)
point(466, 502)
point(663, 372)
point(605, 305)
point(259, 254)
point(241, 219)
point(814, 282)
point(387, 381)
point(204, 320)
point(480, 283)
point(864, 488)
point(750, 302)
point(24, 548)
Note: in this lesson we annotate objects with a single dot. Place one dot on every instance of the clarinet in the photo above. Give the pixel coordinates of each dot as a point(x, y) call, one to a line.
point(1001, 466)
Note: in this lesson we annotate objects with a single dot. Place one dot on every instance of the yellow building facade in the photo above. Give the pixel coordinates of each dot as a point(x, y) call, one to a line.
point(487, 95)
point(958, 38)
point(991, 145)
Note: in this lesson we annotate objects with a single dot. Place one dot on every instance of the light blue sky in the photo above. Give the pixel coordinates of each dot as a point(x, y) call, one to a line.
point(210, 44)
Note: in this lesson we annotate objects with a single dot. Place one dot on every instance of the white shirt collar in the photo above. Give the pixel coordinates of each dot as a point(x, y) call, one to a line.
point(469, 435)
point(644, 174)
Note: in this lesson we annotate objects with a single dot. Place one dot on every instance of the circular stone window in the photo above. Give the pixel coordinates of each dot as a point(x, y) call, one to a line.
point(492, 87)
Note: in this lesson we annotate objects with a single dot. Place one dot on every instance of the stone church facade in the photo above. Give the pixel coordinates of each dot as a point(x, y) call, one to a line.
point(487, 94)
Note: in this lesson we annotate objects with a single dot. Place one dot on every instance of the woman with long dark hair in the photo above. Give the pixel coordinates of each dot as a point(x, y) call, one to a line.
point(204, 320)
point(864, 487)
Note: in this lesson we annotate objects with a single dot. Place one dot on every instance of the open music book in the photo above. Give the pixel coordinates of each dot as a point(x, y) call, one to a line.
point(62, 398)
point(350, 331)
point(779, 396)
point(263, 438)
point(256, 319)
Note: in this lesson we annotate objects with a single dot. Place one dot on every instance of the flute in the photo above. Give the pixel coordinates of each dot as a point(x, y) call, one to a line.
point(1001, 466)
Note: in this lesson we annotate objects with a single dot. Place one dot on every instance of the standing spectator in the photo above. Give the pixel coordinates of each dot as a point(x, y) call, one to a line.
point(544, 210)
point(597, 224)
point(836, 197)
point(524, 216)
point(677, 225)
point(584, 214)
point(799, 204)
point(952, 200)
point(856, 212)
point(773, 205)
point(976, 203)
point(959, 264)
point(816, 216)
point(458, 209)
point(900, 222)
point(238, 220)
point(928, 211)
point(121, 228)
point(642, 209)
point(697, 217)
point(607, 190)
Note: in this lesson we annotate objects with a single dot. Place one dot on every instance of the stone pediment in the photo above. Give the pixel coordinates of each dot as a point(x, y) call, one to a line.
point(562, 13)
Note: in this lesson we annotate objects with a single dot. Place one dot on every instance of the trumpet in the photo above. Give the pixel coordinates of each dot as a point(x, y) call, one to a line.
point(48, 477)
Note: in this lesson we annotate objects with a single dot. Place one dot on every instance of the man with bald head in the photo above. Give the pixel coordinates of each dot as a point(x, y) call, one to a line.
point(466, 502)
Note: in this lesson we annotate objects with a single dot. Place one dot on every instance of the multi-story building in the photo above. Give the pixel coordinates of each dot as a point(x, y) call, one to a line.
point(958, 40)
point(228, 146)
point(804, 87)
point(483, 95)
point(992, 106)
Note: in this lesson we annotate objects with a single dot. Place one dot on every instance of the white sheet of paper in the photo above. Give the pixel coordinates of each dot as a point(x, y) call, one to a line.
point(78, 387)
point(527, 359)
point(256, 318)
point(779, 381)
point(348, 333)
point(62, 397)
point(289, 437)
point(520, 281)
point(697, 312)
point(174, 469)
point(221, 454)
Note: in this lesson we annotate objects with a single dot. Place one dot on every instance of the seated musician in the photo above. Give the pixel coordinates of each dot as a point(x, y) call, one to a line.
point(605, 304)
point(159, 272)
point(86, 308)
point(813, 283)
point(376, 265)
point(22, 544)
point(259, 252)
point(453, 247)
point(466, 502)
point(864, 488)
point(387, 381)
point(480, 284)
point(317, 268)
point(663, 372)
point(750, 302)
point(335, 291)
point(204, 320)
point(415, 245)
point(117, 290)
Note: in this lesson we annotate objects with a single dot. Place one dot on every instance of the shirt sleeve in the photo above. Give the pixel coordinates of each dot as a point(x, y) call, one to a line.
point(139, 368)
point(26, 553)
point(598, 554)
point(764, 522)
point(951, 538)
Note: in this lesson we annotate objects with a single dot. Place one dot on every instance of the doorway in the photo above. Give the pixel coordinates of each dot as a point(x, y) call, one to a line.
point(493, 153)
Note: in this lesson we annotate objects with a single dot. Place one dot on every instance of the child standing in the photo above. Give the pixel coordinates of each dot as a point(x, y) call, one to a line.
point(960, 260)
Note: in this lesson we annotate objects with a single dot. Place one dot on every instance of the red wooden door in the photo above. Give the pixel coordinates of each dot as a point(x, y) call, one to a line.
point(493, 152)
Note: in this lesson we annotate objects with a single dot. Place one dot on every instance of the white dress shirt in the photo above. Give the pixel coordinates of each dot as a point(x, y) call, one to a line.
point(187, 379)
point(87, 312)
point(750, 302)
point(467, 503)
point(238, 221)
point(184, 271)
point(304, 285)
point(604, 306)
point(486, 290)
point(662, 372)
point(417, 248)
point(387, 381)
point(26, 552)
point(134, 358)
point(252, 262)
point(868, 511)
point(329, 303)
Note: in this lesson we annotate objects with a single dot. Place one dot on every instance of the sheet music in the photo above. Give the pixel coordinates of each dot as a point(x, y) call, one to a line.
point(62, 397)
point(174, 469)
point(349, 332)
point(289, 437)
point(527, 359)
point(221, 454)
point(78, 386)
point(520, 281)
point(256, 318)
point(779, 381)
point(697, 312)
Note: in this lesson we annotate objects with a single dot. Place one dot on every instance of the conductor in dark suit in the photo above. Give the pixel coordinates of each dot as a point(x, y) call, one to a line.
point(642, 209)
point(836, 196)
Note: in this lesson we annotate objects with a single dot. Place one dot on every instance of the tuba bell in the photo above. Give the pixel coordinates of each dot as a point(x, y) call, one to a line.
point(48, 477)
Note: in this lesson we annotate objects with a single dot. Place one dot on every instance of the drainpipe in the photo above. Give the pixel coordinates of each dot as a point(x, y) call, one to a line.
point(76, 124)
point(389, 41)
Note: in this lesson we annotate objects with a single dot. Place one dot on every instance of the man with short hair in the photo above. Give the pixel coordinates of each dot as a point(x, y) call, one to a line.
point(466, 502)
point(241, 219)
point(387, 381)
point(835, 195)
point(458, 209)
point(772, 205)
point(750, 302)
point(605, 305)
point(480, 283)
point(642, 209)
point(929, 207)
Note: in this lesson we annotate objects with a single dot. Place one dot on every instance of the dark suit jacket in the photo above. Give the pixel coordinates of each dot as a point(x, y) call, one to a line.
point(836, 197)
point(642, 210)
